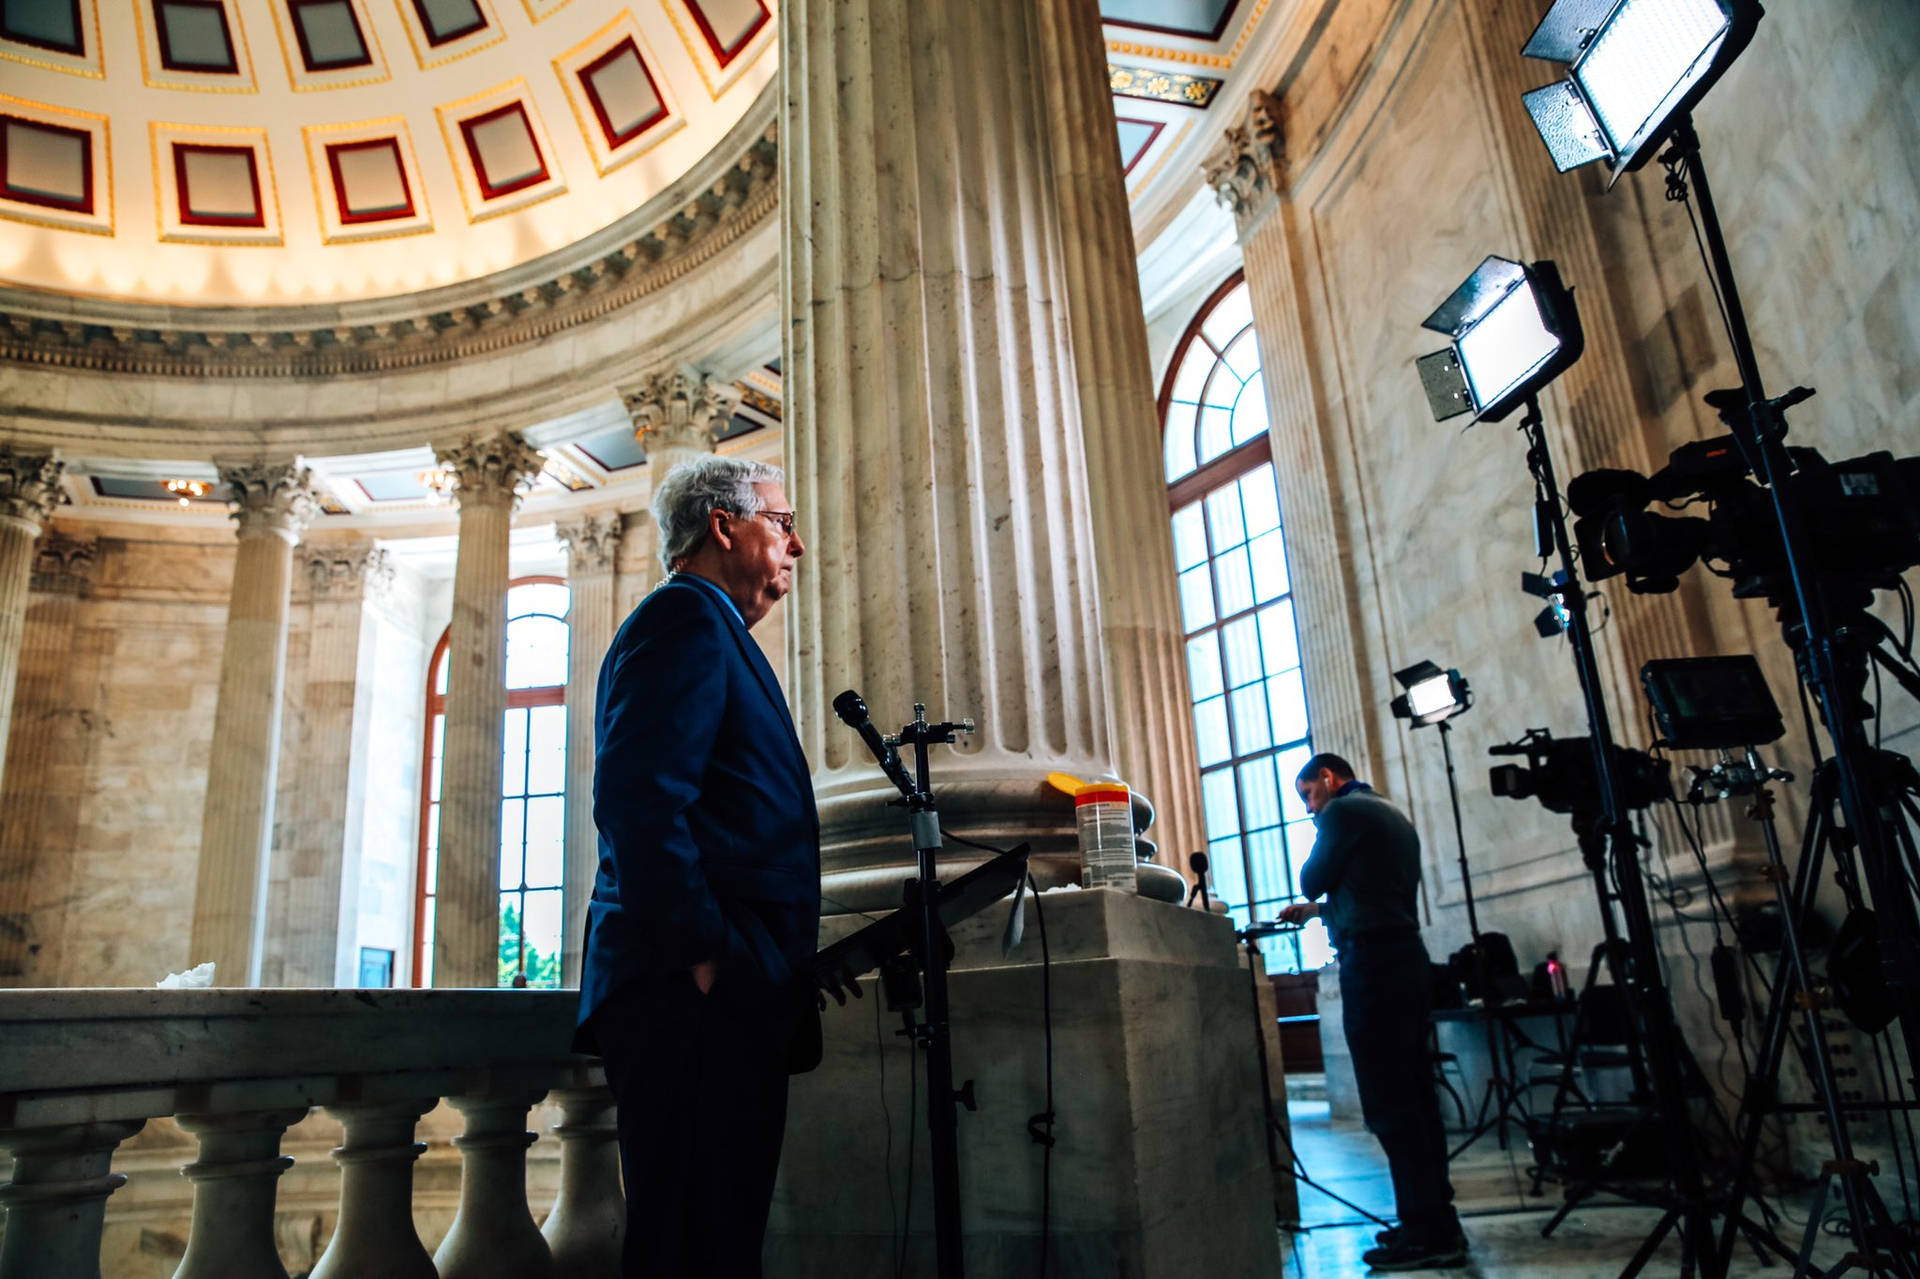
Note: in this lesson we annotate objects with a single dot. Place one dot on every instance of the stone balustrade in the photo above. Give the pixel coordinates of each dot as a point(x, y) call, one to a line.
point(82, 1071)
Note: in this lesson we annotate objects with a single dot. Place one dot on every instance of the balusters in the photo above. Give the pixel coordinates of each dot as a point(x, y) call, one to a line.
point(57, 1201)
point(589, 1214)
point(493, 1235)
point(375, 1238)
point(234, 1183)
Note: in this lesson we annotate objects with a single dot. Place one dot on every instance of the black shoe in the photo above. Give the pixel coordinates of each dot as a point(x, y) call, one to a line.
point(1386, 1238)
point(1410, 1254)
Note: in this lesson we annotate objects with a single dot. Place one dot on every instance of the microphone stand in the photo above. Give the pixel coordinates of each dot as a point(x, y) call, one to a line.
point(935, 952)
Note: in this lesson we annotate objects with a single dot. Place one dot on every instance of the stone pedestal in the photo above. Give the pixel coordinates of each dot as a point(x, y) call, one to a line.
point(592, 543)
point(489, 476)
point(272, 503)
point(1160, 1167)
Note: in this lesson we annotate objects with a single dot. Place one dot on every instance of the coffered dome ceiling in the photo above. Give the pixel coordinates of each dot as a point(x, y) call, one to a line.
point(286, 152)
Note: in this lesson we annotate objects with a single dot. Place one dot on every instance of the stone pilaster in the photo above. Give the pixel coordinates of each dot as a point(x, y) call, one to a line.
point(490, 475)
point(933, 441)
point(1249, 174)
point(592, 543)
point(29, 932)
point(1149, 708)
point(317, 881)
point(272, 503)
point(29, 487)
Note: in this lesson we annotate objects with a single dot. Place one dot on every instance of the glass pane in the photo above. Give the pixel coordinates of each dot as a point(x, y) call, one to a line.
point(1228, 873)
point(1250, 411)
point(1224, 519)
point(536, 651)
point(1210, 731)
point(1259, 799)
point(433, 767)
point(1316, 950)
point(513, 754)
point(546, 750)
point(1203, 666)
point(542, 928)
point(440, 671)
point(546, 841)
point(1260, 500)
point(1299, 847)
point(1196, 598)
point(513, 833)
point(1178, 445)
point(1288, 699)
point(510, 925)
point(1235, 581)
point(426, 947)
point(1250, 731)
point(1266, 849)
point(433, 851)
point(1229, 315)
point(1217, 799)
point(550, 598)
point(1278, 639)
point(1287, 765)
point(1269, 566)
point(1216, 432)
point(1243, 355)
point(1193, 374)
point(1243, 651)
point(1189, 537)
point(1223, 389)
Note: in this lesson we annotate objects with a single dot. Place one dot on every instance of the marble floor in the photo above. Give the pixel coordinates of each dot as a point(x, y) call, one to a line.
point(1502, 1220)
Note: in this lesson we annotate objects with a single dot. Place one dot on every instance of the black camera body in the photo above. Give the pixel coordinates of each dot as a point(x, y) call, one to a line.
point(1559, 773)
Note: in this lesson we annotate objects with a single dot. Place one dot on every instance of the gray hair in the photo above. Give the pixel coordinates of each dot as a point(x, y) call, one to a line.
point(688, 493)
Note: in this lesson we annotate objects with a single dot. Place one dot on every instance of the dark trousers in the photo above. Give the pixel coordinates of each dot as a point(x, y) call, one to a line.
point(701, 1082)
point(1385, 998)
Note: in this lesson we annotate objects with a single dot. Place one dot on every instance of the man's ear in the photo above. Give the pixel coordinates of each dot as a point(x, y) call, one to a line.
point(720, 528)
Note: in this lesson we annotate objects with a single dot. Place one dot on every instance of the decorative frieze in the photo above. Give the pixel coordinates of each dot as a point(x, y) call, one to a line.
point(492, 469)
point(270, 497)
point(592, 541)
point(1250, 164)
point(29, 486)
point(678, 413)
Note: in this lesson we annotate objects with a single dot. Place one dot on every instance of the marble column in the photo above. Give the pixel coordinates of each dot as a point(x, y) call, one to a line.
point(36, 837)
point(934, 441)
point(592, 543)
point(29, 487)
point(1249, 174)
point(489, 477)
point(272, 503)
point(317, 880)
point(1149, 707)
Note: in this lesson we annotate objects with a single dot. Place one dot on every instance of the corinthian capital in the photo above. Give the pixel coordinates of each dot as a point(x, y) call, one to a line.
point(63, 565)
point(29, 486)
point(349, 570)
point(677, 412)
point(1251, 161)
point(494, 470)
point(591, 542)
point(274, 498)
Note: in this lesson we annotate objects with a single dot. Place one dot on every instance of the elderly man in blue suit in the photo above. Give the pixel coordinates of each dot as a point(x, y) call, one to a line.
point(706, 909)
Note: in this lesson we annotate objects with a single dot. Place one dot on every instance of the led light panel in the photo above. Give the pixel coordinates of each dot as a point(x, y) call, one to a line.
point(1505, 346)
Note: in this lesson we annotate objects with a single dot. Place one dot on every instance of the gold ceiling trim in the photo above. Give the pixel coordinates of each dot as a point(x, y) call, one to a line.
point(745, 195)
point(1194, 57)
point(92, 66)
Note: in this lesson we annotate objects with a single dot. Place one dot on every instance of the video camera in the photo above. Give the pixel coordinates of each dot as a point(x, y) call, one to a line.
point(1559, 773)
point(1862, 516)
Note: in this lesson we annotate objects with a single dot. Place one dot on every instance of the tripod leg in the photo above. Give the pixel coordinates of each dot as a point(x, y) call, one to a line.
point(1651, 1244)
point(1574, 1199)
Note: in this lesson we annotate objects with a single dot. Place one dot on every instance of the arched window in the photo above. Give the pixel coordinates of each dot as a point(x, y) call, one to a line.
point(532, 790)
point(1243, 652)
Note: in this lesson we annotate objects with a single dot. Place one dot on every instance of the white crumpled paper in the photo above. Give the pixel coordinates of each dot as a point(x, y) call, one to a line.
point(199, 977)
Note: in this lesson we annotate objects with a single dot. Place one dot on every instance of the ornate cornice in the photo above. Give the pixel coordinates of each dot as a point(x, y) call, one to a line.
point(528, 304)
point(63, 565)
point(679, 413)
point(1251, 161)
point(352, 570)
point(270, 498)
point(491, 470)
point(591, 542)
point(29, 486)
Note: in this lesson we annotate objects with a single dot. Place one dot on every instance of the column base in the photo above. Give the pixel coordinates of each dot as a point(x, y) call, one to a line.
point(1160, 1166)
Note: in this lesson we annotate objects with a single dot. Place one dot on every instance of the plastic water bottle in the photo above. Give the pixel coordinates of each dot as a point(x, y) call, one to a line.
point(1104, 814)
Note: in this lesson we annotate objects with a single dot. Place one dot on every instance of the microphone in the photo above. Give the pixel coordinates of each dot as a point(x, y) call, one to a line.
point(852, 710)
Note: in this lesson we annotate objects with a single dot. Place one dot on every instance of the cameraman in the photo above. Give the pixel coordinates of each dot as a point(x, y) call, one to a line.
point(1366, 861)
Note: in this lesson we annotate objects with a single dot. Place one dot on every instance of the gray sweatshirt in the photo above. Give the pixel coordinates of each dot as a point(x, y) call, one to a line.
point(1366, 861)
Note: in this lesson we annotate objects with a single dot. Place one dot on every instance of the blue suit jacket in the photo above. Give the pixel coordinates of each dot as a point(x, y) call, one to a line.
point(709, 842)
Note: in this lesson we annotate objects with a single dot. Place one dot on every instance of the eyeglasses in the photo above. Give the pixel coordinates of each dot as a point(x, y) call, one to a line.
point(782, 518)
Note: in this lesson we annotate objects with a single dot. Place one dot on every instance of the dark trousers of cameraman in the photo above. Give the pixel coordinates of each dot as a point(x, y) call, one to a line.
point(1386, 996)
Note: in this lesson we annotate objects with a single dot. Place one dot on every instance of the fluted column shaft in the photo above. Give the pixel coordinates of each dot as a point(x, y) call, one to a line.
point(489, 476)
point(1149, 706)
point(592, 542)
point(271, 504)
point(29, 486)
point(934, 445)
